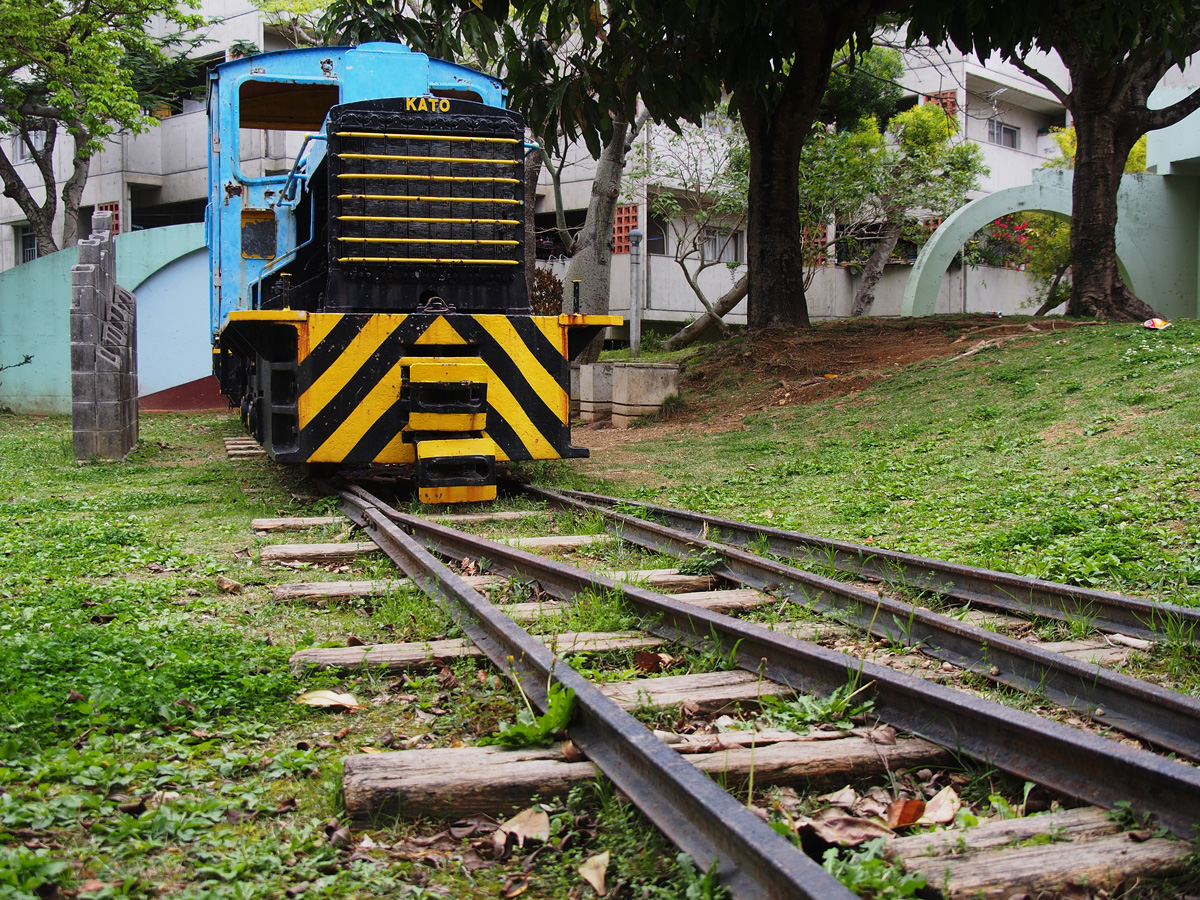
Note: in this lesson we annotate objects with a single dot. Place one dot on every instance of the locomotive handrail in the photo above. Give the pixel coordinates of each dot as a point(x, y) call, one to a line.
point(293, 178)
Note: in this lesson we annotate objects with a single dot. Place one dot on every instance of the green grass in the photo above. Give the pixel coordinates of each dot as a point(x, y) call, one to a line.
point(128, 678)
point(1072, 456)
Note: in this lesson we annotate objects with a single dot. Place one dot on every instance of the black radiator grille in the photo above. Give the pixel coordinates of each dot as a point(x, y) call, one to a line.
point(427, 196)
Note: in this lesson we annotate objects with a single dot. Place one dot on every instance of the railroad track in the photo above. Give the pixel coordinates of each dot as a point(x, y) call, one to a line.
point(673, 790)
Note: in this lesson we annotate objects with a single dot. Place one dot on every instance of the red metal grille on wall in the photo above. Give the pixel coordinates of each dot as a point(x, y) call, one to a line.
point(815, 239)
point(947, 100)
point(115, 209)
point(627, 219)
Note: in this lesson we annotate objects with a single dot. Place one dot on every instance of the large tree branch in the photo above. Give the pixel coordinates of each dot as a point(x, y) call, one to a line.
point(1169, 115)
point(1049, 83)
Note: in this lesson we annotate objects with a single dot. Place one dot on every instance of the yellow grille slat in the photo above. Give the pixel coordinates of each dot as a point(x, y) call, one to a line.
point(405, 176)
point(427, 137)
point(375, 240)
point(426, 199)
point(452, 221)
point(448, 159)
point(424, 259)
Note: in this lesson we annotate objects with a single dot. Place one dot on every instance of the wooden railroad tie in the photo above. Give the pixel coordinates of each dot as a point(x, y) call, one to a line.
point(401, 657)
point(661, 580)
point(351, 550)
point(302, 523)
point(1072, 847)
point(446, 782)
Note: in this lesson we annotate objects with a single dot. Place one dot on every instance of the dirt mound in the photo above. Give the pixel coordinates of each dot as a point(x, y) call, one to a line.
point(789, 366)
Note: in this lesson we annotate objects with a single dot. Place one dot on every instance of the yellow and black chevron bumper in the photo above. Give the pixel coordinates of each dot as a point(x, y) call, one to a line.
point(451, 393)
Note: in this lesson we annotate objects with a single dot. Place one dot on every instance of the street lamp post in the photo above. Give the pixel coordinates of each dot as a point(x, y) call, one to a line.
point(635, 293)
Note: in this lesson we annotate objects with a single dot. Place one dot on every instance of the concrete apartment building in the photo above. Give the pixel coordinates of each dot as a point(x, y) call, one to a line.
point(160, 177)
point(1007, 113)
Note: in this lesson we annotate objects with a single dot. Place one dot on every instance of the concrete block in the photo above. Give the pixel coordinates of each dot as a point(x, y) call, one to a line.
point(83, 443)
point(111, 445)
point(109, 416)
point(108, 386)
point(595, 391)
point(83, 387)
point(84, 328)
point(639, 389)
point(83, 358)
point(83, 415)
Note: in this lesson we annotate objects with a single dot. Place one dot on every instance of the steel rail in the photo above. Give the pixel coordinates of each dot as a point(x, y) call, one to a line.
point(1073, 761)
point(1005, 591)
point(694, 812)
point(1163, 717)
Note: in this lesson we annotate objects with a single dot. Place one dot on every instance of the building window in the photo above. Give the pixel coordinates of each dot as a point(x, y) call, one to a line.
point(722, 246)
point(656, 237)
point(27, 250)
point(1004, 135)
point(21, 152)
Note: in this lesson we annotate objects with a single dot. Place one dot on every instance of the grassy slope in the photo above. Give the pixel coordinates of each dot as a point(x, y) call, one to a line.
point(1073, 456)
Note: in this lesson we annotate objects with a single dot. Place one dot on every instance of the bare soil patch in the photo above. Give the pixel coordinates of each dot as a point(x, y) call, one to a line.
point(786, 367)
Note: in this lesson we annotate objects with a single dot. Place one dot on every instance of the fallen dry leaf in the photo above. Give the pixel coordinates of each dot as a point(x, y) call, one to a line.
point(228, 585)
point(902, 813)
point(845, 797)
point(92, 886)
point(941, 808)
point(651, 663)
point(592, 871)
point(328, 698)
point(529, 824)
point(846, 831)
point(516, 885)
point(477, 824)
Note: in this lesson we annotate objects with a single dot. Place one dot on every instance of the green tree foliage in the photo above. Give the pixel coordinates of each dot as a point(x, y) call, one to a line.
point(73, 72)
point(877, 185)
point(695, 182)
point(863, 86)
point(1115, 53)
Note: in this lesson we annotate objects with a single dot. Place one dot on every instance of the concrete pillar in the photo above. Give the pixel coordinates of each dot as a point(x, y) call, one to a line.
point(639, 389)
point(595, 391)
point(103, 351)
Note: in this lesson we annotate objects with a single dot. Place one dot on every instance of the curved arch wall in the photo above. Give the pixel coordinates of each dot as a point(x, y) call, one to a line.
point(35, 302)
point(1157, 237)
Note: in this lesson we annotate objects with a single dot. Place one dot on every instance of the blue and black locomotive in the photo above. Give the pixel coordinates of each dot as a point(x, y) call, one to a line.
point(369, 302)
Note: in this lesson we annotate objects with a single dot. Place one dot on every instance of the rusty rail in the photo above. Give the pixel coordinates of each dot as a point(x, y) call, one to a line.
point(1069, 760)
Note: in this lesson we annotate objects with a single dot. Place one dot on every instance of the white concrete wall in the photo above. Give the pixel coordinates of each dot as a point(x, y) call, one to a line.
point(830, 295)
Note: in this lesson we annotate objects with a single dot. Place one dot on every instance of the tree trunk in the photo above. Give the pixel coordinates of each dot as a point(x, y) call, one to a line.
point(1102, 147)
point(591, 265)
point(533, 170)
point(873, 270)
point(40, 215)
point(775, 138)
point(695, 330)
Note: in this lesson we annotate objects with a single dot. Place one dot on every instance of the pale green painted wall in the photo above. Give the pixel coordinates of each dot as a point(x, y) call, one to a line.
point(35, 310)
point(1158, 242)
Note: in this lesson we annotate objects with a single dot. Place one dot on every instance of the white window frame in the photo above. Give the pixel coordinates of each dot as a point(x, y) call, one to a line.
point(21, 152)
point(722, 246)
point(998, 131)
point(23, 235)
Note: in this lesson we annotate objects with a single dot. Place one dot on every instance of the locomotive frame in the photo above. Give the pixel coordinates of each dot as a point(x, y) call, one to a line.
point(369, 301)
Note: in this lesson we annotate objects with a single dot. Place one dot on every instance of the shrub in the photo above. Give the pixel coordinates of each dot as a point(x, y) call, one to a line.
point(546, 295)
